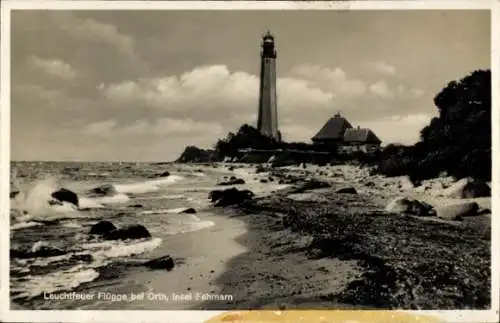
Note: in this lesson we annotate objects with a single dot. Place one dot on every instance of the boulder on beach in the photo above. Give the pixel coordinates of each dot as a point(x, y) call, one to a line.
point(457, 211)
point(40, 249)
point(136, 231)
point(232, 181)
point(406, 205)
point(468, 188)
point(312, 185)
point(230, 196)
point(104, 190)
point(164, 174)
point(165, 262)
point(263, 180)
point(188, 211)
point(347, 190)
point(65, 195)
point(13, 194)
point(406, 184)
point(102, 227)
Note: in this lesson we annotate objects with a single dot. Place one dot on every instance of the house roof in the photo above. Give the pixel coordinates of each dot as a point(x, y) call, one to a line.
point(361, 135)
point(333, 128)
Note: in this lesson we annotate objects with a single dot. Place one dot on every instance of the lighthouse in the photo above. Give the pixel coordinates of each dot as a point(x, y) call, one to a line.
point(267, 122)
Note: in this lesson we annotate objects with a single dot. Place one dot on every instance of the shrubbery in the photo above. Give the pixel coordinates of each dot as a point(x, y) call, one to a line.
point(457, 141)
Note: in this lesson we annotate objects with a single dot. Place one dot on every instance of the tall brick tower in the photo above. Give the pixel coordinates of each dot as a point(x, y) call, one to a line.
point(267, 122)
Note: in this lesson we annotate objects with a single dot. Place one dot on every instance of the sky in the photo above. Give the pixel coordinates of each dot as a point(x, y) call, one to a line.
point(142, 85)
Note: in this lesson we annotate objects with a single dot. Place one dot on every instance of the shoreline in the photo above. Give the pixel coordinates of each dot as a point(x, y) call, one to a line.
point(309, 247)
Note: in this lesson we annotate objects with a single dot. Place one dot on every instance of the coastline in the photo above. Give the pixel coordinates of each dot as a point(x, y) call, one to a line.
point(307, 246)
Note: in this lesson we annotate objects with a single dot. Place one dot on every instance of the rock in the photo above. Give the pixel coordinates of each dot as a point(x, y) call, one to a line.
point(406, 183)
point(137, 206)
point(104, 190)
point(484, 211)
point(164, 174)
point(370, 184)
point(232, 181)
point(13, 194)
point(65, 195)
point(468, 188)
point(165, 262)
point(347, 190)
point(311, 185)
point(230, 196)
point(39, 249)
point(458, 211)
point(406, 205)
point(270, 179)
point(132, 232)
point(102, 227)
point(263, 180)
point(230, 168)
point(188, 211)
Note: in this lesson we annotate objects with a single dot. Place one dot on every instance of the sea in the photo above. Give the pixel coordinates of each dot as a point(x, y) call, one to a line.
point(142, 197)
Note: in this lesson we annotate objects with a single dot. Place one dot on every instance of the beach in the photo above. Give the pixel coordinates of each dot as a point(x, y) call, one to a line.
point(297, 243)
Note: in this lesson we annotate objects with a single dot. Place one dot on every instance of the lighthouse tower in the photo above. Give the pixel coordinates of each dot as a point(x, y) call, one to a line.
point(267, 122)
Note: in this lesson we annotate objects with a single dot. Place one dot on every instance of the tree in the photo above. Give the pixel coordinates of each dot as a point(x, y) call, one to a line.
point(460, 137)
point(457, 141)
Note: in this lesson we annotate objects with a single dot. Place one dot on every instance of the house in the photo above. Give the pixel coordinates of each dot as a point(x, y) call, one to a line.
point(332, 132)
point(360, 139)
point(338, 132)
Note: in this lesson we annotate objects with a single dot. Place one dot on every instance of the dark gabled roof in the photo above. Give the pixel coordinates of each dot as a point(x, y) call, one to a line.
point(361, 135)
point(333, 128)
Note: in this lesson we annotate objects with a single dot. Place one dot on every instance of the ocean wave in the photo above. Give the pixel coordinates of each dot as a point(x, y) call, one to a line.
point(23, 225)
point(115, 199)
point(105, 250)
point(147, 186)
point(164, 197)
point(89, 203)
point(165, 211)
point(64, 280)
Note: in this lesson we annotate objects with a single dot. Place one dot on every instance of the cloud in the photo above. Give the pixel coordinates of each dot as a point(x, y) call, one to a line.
point(332, 80)
point(382, 90)
point(214, 93)
point(383, 67)
point(398, 129)
point(55, 68)
point(92, 30)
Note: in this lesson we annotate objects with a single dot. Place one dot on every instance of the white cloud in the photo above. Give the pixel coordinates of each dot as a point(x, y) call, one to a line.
point(382, 90)
point(331, 80)
point(215, 92)
point(399, 129)
point(93, 30)
point(383, 67)
point(55, 67)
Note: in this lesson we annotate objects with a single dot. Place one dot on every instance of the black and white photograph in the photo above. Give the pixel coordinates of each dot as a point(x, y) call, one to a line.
point(250, 159)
